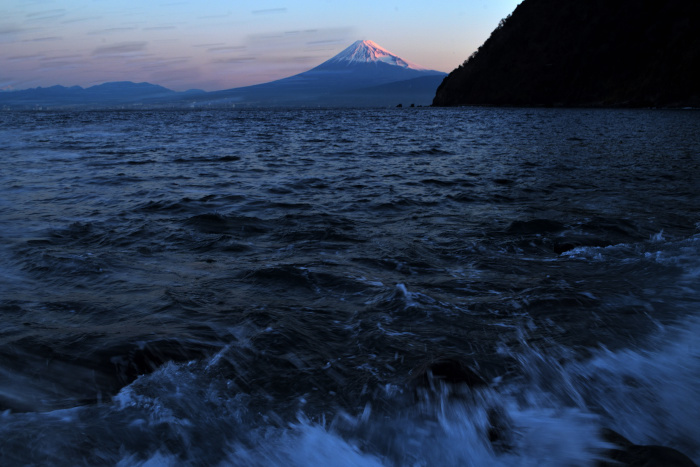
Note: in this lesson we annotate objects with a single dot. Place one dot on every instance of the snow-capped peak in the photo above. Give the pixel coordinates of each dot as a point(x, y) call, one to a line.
point(370, 52)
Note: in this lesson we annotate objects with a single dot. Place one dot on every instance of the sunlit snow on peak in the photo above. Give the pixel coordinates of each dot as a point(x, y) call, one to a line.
point(370, 52)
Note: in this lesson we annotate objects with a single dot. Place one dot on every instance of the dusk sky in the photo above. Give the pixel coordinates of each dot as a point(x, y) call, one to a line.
point(222, 44)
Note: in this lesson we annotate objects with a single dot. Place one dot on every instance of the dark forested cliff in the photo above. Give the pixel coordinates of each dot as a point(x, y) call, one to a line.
point(634, 53)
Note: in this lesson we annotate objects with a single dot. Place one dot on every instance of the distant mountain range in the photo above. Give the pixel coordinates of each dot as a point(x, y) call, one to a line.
point(107, 94)
point(362, 75)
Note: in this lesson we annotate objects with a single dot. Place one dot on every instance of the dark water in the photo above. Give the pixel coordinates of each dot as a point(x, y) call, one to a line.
point(264, 288)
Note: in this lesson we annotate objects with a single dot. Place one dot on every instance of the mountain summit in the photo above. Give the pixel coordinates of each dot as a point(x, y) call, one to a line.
point(370, 52)
point(364, 64)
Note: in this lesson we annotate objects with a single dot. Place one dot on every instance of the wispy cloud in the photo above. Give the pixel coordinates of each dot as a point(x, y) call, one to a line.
point(218, 16)
point(155, 62)
point(43, 15)
point(214, 44)
point(10, 29)
point(63, 61)
point(110, 31)
point(235, 60)
point(39, 14)
point(294, 38)
point(159, 28)
point(326, 42)
point(63, 57)
point(81, 20)
point(164, 65)
point(43, 39)
point(223, 49)
point(269, 11)
point(26, 57)
point(121, 48)
point(62, 65)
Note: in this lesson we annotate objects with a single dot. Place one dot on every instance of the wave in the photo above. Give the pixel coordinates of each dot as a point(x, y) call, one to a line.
point(190, 413)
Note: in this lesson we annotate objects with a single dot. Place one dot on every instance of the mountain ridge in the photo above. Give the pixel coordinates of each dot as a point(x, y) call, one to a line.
point(109, 93)
point(597, 53)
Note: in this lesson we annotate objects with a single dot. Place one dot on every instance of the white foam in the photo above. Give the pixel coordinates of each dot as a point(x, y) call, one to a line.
point(303, 444)
point(650, 395)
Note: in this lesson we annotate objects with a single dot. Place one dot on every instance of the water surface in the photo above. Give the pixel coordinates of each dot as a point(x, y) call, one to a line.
point(265, 287)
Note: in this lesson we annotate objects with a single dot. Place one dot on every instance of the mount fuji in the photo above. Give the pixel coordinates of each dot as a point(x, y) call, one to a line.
point(364, 74)
point(364, 63)
point(369, 52)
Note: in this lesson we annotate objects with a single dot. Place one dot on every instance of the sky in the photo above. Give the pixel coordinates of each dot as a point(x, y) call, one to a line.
point(223, 44)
